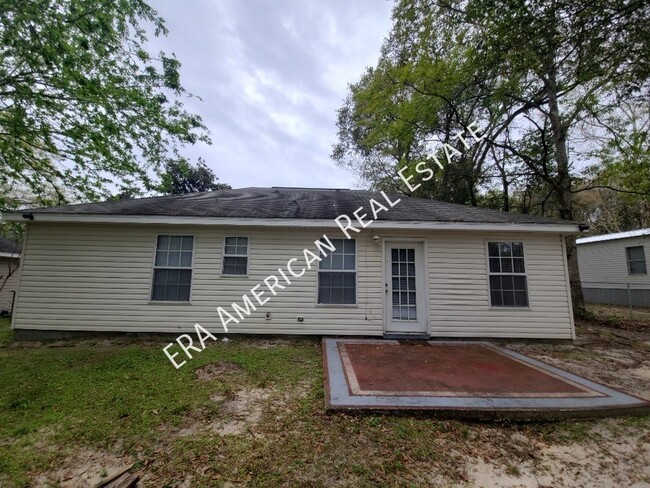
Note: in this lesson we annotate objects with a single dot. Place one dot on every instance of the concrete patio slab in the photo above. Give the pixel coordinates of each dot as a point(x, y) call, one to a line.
point(477, 380)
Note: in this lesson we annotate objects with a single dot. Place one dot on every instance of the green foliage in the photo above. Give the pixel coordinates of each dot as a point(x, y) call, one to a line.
point(6, 334)
point(82, 102)
point(413, 99)
point(615, 191)
point(96, 395)
point(531, 73)
point(625, 155)
point(181, 177)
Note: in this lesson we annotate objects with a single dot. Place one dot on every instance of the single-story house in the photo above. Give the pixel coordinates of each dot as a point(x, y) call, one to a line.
point(613, 268)
point(294, 261)
point(9, 273)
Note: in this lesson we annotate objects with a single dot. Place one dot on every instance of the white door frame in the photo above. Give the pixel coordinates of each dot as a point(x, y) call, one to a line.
point(421, 325)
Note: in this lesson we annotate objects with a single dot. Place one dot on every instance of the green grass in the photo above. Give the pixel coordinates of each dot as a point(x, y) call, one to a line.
point(100, 395)
point(6, 334)
point(125, 398)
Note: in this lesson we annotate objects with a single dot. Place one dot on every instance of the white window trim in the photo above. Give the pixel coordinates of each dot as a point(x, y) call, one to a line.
point(490, 273)
point(154, 268)
point(247, 256)
point(356, 279)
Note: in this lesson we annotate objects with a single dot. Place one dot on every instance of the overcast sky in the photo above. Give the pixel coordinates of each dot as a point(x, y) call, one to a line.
point(271, 75)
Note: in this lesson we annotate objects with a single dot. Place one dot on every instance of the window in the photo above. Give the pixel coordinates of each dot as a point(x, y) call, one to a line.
point(508, 286)
point(635, 260)
point(172, 274)
point(337, 276)
point(235, 256)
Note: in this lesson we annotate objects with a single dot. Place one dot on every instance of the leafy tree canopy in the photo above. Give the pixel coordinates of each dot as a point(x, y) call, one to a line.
point(82, 102)
point(532, 73)
point(181, 177)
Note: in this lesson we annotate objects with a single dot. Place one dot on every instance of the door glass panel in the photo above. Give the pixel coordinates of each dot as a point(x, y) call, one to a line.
point(403, 280)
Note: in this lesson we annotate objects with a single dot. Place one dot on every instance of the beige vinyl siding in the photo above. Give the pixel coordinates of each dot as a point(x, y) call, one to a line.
point(459, 288)
point(603, 264)
point(98, 277)
point(11, 285)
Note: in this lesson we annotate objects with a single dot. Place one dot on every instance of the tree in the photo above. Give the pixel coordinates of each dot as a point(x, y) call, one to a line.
point(412, 100)
point(83, 105)
point(614, 195)
point(9, 246)
point(529, 71)
point(181, 177)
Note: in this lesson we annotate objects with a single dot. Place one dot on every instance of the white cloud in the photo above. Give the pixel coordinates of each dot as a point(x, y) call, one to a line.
point(271, 76)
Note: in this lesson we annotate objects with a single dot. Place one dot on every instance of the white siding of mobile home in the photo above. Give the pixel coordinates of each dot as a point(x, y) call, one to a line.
point(11, 284)
point(98, 277)
point(603, 264)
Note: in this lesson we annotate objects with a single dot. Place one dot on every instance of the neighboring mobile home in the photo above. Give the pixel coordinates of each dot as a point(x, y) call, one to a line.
point(9, 273)
point(613, 268)
point(425, 268)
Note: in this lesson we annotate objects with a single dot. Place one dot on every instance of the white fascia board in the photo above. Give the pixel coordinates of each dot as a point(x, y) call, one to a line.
point(618, 235)
point(302, 223)
point(9, 255)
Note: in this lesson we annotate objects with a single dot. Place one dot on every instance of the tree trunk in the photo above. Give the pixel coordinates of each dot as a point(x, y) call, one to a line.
point(563, 187)
point(504, 177)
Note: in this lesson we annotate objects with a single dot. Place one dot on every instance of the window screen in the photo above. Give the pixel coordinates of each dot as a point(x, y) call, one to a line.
point(235, 256)
point(337, 276)
point(635, 260)
point(508, 286)
point(172, 275)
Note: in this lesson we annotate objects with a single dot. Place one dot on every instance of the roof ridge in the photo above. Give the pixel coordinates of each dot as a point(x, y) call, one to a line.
point(311, 188)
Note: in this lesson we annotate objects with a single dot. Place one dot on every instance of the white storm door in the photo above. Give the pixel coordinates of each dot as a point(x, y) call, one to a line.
point(405, 291)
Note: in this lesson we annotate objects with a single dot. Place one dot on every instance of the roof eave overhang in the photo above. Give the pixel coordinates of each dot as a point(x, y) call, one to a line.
point(568, 228)
point(597, 239)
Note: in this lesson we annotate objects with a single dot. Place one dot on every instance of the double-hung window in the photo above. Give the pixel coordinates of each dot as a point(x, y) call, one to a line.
point(337, 274)
point(508, 286)
point(172, 273)
point(635, 260)
point(235, 256)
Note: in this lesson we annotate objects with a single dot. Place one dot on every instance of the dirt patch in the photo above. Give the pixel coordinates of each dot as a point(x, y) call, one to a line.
point(86, 468)
point(605, 459)
point(270, 343)
point(616, 358)
point(214, 371)
point(239, 414)
point(642, 372)
point(610, 453)
point(242, 412)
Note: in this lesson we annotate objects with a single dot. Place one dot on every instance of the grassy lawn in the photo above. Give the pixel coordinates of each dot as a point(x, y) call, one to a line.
point(103, 395)
point(251, 413)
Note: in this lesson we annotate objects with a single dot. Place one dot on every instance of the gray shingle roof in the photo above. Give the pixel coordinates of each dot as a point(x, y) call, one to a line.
point(294, 203)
